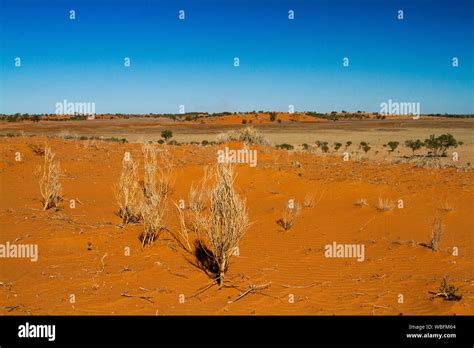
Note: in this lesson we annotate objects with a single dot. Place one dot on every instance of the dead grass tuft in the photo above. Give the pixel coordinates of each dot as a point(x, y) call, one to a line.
point(289, 216)
point(220, 228)
point(127, 192)
point(361, 202)
point(50, 186)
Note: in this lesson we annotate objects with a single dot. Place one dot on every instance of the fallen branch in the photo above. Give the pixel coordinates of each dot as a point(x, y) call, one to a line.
point(252, 288)
point(301, 286)
point(146, 298)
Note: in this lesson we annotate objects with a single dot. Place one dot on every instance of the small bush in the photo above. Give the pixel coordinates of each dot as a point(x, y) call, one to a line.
point(437, 146)
point(284, 147)
point(365, 146)
point(220, 228)
point(414, 145)
point(393, 145)
point(447, 292)
point(289, 217)
point(166, 135)
point(337, 146)
point(248, 135)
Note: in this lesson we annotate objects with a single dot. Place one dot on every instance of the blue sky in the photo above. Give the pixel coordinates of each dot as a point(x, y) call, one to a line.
point(282, 61)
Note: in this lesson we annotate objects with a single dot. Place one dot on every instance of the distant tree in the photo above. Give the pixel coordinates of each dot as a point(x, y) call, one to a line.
point(414, 145)
point(166, 134)
point(337, 146)
point(325, 147)
point(348, 143)
point(365, 146)
point(393, 145)
point(285, 146)
point(437, 146)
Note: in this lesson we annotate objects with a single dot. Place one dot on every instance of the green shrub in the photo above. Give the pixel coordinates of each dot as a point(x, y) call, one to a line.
point(285, 147)
point(414, 145)
point(393, 145)
point(437, 146)
point(166, 134)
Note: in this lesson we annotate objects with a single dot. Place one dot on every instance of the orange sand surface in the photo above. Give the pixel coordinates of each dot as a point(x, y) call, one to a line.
point(81, 250)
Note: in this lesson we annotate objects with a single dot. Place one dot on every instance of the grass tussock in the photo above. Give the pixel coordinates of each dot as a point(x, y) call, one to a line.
point(219, 228)
point(360, 202)
point(157, 182)
point(446, 207)
point(127, 192)
point(308, 201)
point(289, 216)
point(437, 230)
point(50, 187)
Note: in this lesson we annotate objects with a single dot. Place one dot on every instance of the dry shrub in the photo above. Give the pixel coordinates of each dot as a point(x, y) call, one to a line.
point(447, 292)
point(385, 204)
point(152, 212)
point(166, 165)
point(289, 217)
point(128, 193)
point(308, 201)
point(219, 228)
point(436, 233)
point(156, 186)
point(248, 135)
point(446, 207)
point(50, 186)
point(361, 202)
point(150, 165)
point(198, 194)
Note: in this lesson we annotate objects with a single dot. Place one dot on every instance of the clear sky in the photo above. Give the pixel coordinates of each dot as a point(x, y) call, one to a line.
point(191, 62)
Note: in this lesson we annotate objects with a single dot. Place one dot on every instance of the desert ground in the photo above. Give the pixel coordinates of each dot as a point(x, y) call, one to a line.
point(83, 269)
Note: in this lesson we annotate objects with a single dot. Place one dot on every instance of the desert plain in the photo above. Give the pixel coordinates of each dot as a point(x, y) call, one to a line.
point(91, 263)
